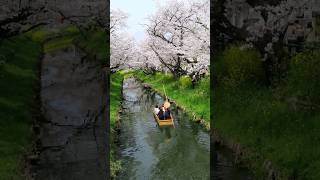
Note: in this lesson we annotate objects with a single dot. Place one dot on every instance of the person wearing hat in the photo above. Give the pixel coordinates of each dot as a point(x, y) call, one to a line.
point(166, 104)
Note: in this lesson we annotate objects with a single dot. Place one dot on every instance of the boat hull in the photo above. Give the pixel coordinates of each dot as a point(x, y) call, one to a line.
point(167, 122)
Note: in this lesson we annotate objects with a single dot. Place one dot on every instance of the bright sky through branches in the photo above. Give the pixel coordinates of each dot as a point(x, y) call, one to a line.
point(138, 11)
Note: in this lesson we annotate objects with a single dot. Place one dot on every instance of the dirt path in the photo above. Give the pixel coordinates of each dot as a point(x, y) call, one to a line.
point(73, 136)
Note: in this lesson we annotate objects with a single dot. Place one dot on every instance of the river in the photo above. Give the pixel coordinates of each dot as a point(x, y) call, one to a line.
point(148, 151)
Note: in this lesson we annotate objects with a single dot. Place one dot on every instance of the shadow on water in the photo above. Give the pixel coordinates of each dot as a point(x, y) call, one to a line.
point(148, 151)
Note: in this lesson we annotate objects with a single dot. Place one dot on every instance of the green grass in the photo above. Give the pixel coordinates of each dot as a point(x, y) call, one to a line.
point(271, 123)
point(19, 56)
point(115, 96)
point(195, 100)
point(115, 105)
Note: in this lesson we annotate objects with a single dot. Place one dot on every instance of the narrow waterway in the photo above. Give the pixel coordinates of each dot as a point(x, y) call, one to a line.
point(152, 152)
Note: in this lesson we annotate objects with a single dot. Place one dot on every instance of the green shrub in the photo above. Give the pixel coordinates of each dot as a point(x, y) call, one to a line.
point(185, 82)
point(204, 83)
point(303, 77)
point(238, 65)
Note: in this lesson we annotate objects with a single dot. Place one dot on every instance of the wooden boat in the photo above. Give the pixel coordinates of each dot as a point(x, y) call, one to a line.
point(166, 122)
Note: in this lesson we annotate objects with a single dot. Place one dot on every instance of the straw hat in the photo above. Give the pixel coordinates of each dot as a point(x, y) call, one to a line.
point(166, 104)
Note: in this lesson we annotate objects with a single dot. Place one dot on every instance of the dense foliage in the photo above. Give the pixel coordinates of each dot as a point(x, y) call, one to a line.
point(303, 79)
point(277, 123)
point(238, 65)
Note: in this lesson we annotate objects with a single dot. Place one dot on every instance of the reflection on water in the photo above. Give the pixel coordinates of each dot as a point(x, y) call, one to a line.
point(151, 152)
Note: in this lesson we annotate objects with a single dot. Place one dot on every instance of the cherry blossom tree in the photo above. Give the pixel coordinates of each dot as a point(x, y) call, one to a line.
point(122, 51)
point(118, 20)
point(178, 40)
point(179, 36)
point(121, 43)
point(146, 59)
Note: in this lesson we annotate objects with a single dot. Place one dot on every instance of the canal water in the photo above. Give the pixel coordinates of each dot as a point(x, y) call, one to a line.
point(148, 151)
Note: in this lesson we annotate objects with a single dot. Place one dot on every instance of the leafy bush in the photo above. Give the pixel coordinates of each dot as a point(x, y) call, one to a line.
point(303, 77)
point(238, 65)
point(204, 83)
point(185, 82)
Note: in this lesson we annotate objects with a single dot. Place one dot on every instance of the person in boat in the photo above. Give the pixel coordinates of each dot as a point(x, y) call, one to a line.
point(167, 114)
point(162, 113)
point(156, 110)
point(166, 106)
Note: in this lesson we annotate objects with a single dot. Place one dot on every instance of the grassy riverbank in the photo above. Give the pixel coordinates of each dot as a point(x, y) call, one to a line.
point(279, 123)
point(195, 100)
point(115, 97)
point(19, 58)
point(115, 105)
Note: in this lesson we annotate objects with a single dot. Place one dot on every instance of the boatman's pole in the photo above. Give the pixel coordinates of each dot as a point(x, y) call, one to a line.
point(168, 104)
point(164, 91)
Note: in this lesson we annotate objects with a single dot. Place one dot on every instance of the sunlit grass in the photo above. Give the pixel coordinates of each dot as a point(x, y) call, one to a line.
point(115, 105)
point(115, 96)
